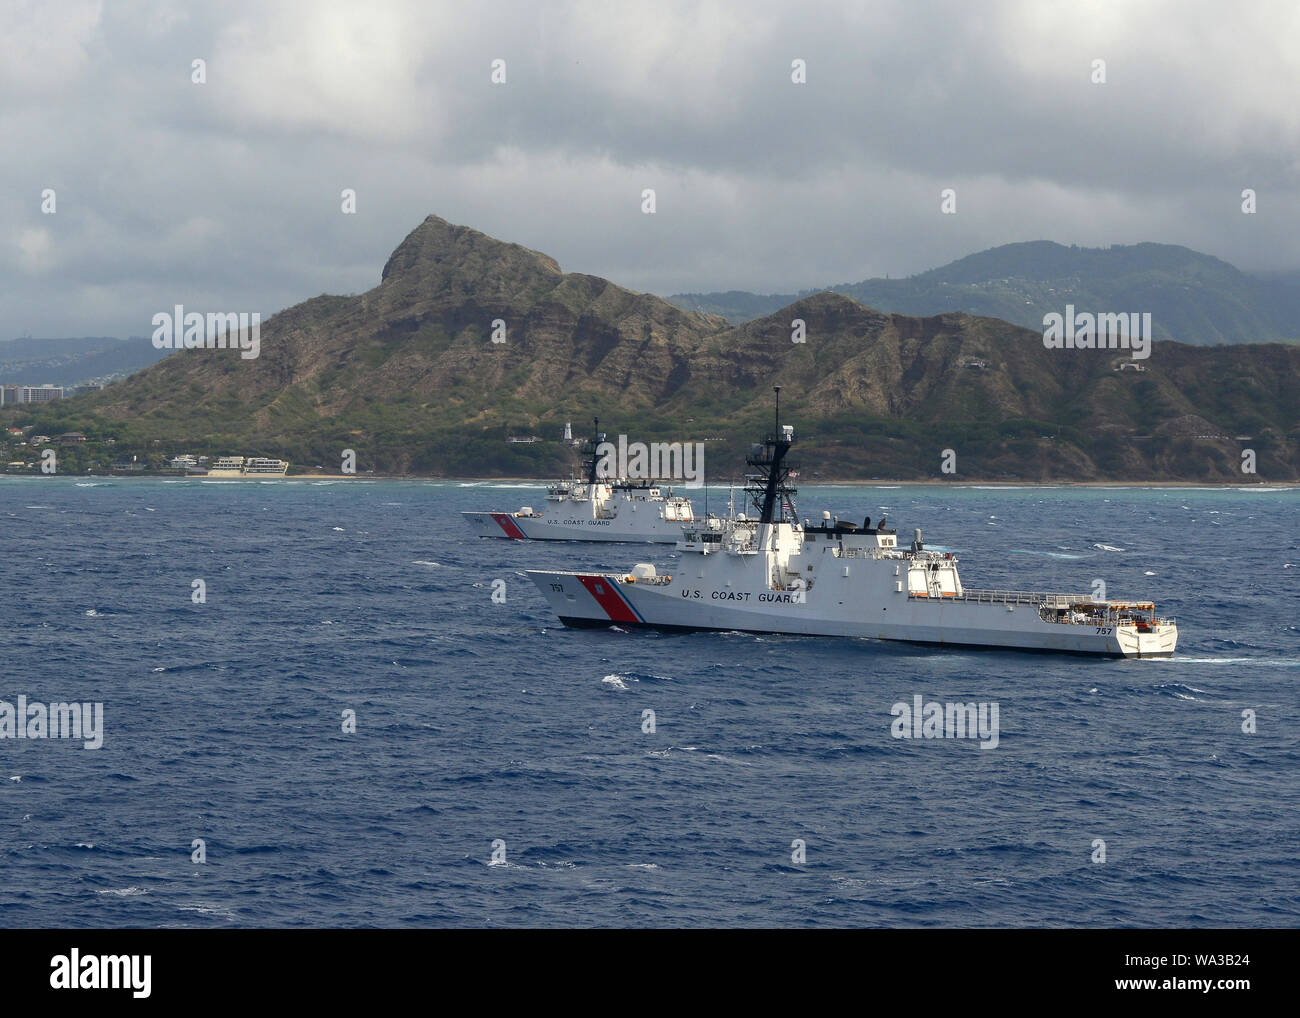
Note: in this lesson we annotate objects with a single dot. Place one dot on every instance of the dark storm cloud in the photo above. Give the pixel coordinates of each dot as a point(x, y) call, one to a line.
point(227, 194)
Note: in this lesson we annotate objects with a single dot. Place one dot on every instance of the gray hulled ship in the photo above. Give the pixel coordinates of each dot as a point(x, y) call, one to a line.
point(772, 573)
point(594, 508)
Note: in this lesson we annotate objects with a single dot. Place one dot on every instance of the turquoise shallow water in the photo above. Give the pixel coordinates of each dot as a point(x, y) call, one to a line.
point(479, 721)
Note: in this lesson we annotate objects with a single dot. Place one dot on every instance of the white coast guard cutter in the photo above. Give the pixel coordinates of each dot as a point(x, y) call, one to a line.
point(592, 508)
point(772, 574)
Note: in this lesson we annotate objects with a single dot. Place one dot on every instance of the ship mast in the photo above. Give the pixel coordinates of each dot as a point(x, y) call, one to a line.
point(591, 458)
point(768, 486)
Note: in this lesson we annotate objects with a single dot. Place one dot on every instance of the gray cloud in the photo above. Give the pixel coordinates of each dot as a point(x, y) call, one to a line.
point(226, 195)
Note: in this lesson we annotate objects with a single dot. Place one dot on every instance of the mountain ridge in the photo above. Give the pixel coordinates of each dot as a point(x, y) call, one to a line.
point(73, 361)
point(1193, 297)
point(408, 376)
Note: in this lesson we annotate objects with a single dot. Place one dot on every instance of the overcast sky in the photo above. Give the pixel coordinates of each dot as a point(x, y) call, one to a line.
point(226, 195)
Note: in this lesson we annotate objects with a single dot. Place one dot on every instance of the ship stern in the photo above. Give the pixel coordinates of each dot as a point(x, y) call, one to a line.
point(1156, 641)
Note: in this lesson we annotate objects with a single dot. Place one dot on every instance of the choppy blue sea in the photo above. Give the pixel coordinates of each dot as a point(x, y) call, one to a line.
point(479, 723)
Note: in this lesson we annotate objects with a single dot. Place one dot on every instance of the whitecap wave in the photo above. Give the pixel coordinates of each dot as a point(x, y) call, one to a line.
point(208, 910)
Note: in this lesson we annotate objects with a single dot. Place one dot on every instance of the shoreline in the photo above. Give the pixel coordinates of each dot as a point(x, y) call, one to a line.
point(713, 486)
point(821, 482)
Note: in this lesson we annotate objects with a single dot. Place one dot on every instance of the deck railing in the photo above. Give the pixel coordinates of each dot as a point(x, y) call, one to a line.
point(869, 551)
point(1018, 597)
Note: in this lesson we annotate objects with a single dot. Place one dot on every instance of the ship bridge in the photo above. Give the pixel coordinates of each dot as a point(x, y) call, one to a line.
point(853, 540)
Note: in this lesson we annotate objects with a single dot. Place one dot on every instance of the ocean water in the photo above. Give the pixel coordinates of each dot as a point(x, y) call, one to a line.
point(479, 723)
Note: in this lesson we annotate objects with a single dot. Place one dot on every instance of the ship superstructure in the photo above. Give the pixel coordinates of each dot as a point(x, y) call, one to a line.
point(772, 573)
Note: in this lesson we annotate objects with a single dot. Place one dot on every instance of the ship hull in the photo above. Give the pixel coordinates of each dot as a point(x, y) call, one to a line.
point(594, 599)
point(626, 527)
